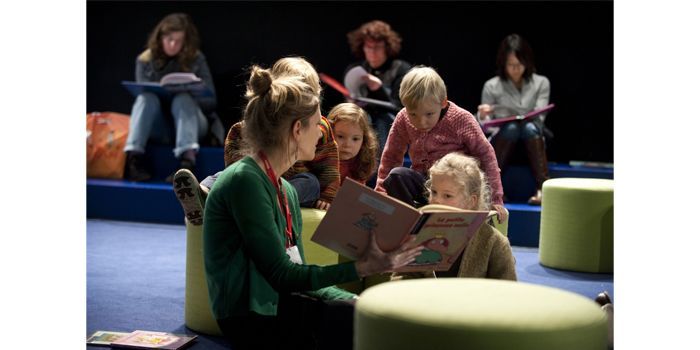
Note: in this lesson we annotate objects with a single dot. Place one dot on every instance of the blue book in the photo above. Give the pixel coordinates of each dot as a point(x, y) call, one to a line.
point(171, 84)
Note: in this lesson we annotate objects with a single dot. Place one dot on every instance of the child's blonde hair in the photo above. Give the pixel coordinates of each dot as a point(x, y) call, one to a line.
point(420, 84)
point(466, 172)
point(297, 66)
point(367, 157)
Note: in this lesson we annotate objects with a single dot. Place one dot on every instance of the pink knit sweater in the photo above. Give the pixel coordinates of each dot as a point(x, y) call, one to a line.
point(457, 131)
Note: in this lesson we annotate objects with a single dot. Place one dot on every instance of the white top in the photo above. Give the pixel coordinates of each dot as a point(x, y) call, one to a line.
point(509, 101)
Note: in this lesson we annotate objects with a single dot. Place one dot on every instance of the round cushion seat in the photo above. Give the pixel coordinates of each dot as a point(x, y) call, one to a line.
point(198, 314)
point(471, 313)
point(576, 229)
point(314, 253)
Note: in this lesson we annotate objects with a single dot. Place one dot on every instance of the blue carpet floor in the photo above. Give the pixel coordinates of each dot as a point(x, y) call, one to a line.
point(136, 278)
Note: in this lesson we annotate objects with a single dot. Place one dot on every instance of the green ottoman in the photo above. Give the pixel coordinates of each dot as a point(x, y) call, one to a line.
point(314, 253)
point(576, 228)
point(471, 313)
point(198, 314)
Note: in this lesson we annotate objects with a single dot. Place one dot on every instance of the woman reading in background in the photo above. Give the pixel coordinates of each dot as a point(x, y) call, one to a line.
point(173, 46)
point(517, 90)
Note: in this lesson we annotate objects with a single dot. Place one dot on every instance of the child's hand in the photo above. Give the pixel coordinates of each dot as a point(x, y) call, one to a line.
point(321, 204)
point(502, 212)
point(485, 110)
point(373, 83)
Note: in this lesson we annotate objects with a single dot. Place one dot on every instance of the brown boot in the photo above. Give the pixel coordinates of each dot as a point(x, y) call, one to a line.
point(502, 147)
point(538, 163)
point(135, 167)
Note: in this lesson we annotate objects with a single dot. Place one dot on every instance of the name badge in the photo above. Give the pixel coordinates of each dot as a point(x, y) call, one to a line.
point(294, 256)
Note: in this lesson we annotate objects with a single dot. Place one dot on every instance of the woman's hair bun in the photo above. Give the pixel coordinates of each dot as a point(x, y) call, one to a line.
point(260, 81)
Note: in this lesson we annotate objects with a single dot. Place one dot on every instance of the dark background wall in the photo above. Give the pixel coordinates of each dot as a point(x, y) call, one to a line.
point(573, 44)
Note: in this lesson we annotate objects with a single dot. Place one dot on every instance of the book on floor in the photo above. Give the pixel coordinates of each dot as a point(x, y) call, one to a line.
point(105, 338)
point(171, 84)
point(358, 210)
point(140, 339)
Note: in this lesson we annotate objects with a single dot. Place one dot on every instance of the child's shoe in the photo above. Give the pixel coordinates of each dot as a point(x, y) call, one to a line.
point(603, 298)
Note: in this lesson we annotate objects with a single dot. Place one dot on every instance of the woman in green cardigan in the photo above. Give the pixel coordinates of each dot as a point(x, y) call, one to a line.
point(253, 253)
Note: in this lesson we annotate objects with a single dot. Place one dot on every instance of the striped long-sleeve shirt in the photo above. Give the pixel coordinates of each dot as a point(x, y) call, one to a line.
point(324, 165)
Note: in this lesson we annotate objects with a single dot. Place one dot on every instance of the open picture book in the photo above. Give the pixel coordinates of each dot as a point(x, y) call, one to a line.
point(105, 338)
point(171, 84)
point(140, 339)
point(358, 210)
point(500, 121)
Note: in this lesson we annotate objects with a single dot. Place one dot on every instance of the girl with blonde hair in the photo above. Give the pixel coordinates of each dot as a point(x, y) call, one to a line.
point(456, 180)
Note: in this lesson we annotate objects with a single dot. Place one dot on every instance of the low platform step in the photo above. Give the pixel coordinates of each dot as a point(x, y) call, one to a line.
point(156, 202)
point(524, 224)
point(162, 162)
point(519, 183)
point(133, 201)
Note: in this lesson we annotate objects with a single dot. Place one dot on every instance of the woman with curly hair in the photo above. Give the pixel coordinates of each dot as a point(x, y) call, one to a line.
point(378, 45)
point(357, 142)
point(173, 46)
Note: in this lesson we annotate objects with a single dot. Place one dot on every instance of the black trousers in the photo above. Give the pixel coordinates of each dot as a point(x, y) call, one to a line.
point(406, 185)
point(302, 322)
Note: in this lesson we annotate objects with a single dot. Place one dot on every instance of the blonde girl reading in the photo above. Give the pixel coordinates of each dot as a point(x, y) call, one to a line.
point(456, 180)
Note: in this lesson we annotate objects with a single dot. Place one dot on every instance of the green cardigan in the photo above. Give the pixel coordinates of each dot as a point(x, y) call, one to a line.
point(244, 253)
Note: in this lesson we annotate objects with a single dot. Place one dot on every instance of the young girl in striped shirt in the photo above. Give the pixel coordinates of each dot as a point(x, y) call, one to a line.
point(357, 142)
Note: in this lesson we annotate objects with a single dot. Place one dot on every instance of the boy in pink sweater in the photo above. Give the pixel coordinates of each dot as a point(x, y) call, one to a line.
point(430, 127)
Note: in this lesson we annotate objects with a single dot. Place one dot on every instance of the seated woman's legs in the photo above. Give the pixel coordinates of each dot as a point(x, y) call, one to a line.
point(504, 142)
point(190, 126)
point(534, 143)
point(144, 114)
point(308, 188)
point(302, 322)
point(406, 185)
point(252, 332)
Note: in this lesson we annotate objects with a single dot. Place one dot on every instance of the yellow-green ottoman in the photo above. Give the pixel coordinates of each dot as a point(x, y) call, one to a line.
point(314, 253)
point(471, 313)
point(576, 227)
point(198, 314)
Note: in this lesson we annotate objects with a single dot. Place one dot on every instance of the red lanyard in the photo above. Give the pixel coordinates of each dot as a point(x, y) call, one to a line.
point(281, 196)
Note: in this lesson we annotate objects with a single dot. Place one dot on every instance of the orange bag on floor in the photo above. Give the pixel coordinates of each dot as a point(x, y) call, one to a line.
point(106, 137)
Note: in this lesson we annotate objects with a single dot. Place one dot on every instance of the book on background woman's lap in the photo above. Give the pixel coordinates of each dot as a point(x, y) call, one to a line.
point(171, 84)
point(358, 210)
point(500, 121)
point(352, 91)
